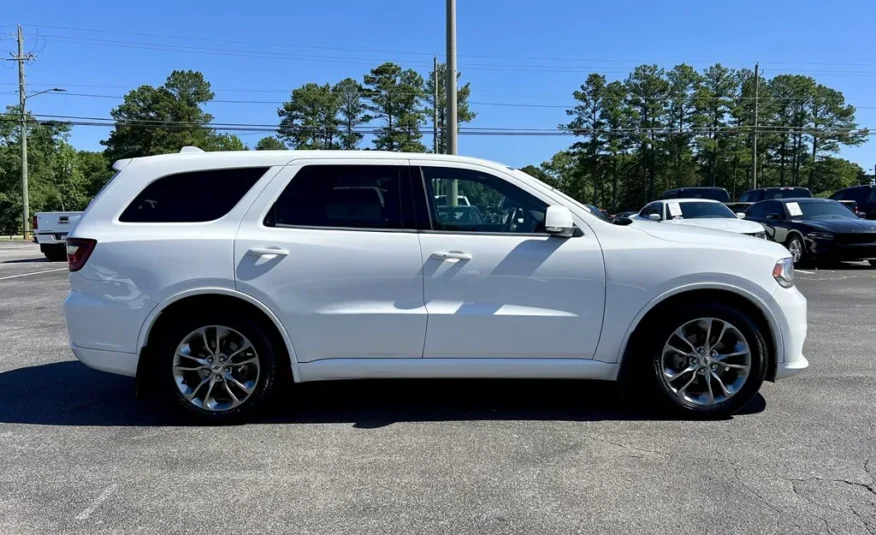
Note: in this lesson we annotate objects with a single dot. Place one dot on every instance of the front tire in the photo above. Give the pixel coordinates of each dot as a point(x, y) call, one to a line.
point(219, 366)
point(706, 361)
point(797, 249)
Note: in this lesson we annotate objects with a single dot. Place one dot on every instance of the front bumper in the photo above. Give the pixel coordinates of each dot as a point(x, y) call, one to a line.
point(841, 251)
point(789, 310)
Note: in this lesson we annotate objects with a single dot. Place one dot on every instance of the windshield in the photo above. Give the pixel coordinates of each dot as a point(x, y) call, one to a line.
point(819, 210)
point(596, 211)
point(701, 210)
point(787, 193)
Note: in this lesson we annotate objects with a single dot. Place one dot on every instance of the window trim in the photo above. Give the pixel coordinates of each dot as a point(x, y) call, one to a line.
point(432, 214)
point(297, 166)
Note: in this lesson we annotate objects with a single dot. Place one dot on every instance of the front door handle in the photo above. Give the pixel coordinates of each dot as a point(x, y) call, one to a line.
point(267, 251)
point(451, 255)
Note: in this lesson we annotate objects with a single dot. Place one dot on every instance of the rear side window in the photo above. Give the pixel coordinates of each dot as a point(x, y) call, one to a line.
point(192, 197)
point(344, 196)
point(756, 210)
point(872, 197)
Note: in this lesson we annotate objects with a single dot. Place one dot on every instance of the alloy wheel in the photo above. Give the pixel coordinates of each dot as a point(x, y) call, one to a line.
point(796, 250)
point(216, 368)
point(706, 361)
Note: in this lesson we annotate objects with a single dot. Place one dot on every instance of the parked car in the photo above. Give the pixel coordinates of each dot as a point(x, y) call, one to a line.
point(762, 194)
point(851, 205)
point(50, 230)
point(816, 229)
point(864, 196)
point(703, 213)
point(716, 194)
point(223, 277)
point(738, 207)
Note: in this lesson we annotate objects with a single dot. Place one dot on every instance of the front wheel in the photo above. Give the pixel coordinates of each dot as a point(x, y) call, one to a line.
point(797, 249)
point(219, 366)
point(707, 360)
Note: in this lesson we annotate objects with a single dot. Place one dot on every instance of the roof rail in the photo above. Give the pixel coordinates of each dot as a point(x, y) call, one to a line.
point(189, 148)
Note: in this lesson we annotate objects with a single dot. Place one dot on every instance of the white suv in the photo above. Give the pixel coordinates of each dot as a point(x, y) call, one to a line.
point(221, 277)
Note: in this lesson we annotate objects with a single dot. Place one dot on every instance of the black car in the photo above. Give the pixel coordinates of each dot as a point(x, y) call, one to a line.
point(865, 196)
point(816, 229)
point(716, 194)
point(762, 194)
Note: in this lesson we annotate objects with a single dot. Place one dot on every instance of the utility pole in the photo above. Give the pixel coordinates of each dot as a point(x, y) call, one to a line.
point(21, 58)
point(435, 107)
point(754, 143)
point(450, 126)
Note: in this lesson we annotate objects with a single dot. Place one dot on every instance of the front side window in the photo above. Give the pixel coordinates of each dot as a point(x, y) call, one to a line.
point(341, 196)
point(756, 211)
point(744, 197)
point(193, 197)
point(483, 203)
point(653, 208)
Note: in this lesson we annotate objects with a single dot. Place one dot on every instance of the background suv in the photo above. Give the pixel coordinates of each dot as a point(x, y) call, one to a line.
point(864, 197)
point(218, 277)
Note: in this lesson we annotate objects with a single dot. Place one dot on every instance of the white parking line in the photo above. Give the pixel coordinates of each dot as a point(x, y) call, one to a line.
point(96, 503)
point(32, 273)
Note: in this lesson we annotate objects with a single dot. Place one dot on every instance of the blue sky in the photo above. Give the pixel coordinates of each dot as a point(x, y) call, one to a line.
point(833, 42)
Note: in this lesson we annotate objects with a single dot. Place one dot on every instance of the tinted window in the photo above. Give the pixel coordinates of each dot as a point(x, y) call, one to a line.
point(838, 196)
point(491, 204)
point(346, 196)
point(872, 197)
point(191, 197)
point(756, 211)
point(745, 197)
point(715, 194)
point(825, 210)
point(774, 207)
point(700, 210)
point(653, 208)
point(788, 193)
point(671, 194)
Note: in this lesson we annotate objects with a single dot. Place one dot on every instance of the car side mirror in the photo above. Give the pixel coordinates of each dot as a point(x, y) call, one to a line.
point(558, 222)
point(740, 215)
point(654, 217)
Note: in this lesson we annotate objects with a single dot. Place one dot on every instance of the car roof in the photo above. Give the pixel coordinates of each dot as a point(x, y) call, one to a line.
point(693, 199)
point(797, 199)
point(256, 158)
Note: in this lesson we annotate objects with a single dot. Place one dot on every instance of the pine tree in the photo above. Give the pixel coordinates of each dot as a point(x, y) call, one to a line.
point(464, 114)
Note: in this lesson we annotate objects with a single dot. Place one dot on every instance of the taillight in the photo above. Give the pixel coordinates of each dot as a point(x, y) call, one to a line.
point(33, 223)
point(78, 251)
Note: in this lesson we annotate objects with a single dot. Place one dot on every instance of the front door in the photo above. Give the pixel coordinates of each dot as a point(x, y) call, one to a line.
point(496, 285)
point(333, 251)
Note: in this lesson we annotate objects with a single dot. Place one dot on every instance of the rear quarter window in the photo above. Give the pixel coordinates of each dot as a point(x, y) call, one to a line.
point(192, 197)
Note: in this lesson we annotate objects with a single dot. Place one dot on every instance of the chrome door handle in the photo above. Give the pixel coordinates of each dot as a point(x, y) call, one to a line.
point(267, 251)
point(451, 255)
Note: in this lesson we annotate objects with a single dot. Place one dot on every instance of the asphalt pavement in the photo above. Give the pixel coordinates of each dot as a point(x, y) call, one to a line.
point(78, 454)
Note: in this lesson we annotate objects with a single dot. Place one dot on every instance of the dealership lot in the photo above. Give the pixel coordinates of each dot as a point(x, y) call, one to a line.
point(79, 454)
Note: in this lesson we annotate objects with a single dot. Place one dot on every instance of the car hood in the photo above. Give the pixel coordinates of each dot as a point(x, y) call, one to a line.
point(719, 238)
point(839, 225)
point(724, 223)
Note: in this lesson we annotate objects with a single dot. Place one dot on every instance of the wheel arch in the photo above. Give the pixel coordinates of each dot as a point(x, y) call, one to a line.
point(745, 301)
point(207, 297)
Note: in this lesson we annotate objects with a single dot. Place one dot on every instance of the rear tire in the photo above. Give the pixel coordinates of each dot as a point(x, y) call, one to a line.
point(678, 378)
point(872, 263)
point(239, 377)
point(55, 252)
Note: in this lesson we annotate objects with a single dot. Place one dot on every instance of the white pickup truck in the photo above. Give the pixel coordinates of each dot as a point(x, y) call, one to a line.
point(50, 230)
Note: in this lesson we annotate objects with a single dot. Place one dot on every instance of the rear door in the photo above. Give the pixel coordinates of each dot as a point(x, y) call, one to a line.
point(500, 286)
point(332, 249)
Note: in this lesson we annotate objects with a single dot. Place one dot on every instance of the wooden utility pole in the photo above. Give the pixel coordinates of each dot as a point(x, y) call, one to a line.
point(754, 142)
point(21, 58)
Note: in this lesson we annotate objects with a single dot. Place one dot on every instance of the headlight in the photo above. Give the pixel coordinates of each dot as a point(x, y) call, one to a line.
point(820, 236)
point(783, 272)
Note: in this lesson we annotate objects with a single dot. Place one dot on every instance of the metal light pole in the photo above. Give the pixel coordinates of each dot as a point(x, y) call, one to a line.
point(25, 198)
point(450, 128)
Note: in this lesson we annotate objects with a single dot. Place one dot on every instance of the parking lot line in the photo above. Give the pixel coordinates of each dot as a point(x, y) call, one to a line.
point(33, 273)
point(96, 503)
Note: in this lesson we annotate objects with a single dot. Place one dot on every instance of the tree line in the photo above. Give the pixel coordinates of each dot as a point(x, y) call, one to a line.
point(654, 130)
point(660, 129)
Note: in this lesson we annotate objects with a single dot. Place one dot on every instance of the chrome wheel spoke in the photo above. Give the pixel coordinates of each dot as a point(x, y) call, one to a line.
point(680, 334)
point(239, 350)
point(682, 390)
point(230, 393)
point(734, 366)
point(253, 360)
point(203, 332)
point(708, 379)
point(191, 395)
point(673, 376)
point(238, 384)
point(720, 336)
point(199, 360)
point(722, 358)
point(206, 403)
point(716, 377)
point(190, 369)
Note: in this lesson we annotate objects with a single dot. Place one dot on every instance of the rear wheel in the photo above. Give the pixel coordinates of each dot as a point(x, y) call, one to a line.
point(706, 360)
point(219, 366)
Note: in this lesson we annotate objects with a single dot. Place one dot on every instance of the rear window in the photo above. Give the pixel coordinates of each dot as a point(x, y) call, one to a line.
point(788, 193)
point(192, 197)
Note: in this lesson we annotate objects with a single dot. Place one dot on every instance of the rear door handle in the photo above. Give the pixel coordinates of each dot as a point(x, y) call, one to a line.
point(451, 255)
point(267, 251)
